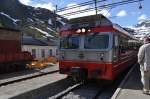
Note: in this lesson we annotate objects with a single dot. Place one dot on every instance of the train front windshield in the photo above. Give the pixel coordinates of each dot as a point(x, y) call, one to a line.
point(96, 41)
point(70, 42)
point(91, 41)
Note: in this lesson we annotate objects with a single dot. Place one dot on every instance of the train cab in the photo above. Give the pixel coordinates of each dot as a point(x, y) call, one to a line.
point(93, 47)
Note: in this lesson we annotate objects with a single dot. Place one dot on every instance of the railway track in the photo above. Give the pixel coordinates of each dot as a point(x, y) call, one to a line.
point(19, 79)
point(65, 92)
point(80, 91)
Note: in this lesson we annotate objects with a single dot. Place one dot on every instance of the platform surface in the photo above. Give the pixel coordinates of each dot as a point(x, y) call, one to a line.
point(28, 73)
point(32, 87)
point(132, 88)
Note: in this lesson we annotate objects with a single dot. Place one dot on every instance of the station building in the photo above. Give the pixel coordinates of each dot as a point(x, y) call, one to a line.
point(39, 49)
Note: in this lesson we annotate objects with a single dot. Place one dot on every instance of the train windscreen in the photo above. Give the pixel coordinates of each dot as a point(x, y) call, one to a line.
point(96, 41)
point(69, 42)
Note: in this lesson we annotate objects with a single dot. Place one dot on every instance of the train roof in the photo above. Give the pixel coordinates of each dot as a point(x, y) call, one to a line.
point(90, 19)
point(94, 21)
point(122, 30)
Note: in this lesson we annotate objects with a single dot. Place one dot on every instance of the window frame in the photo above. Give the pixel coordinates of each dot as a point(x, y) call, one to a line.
point(33, 52)
point(110, 34)
point(43, 53)
point(69, 48)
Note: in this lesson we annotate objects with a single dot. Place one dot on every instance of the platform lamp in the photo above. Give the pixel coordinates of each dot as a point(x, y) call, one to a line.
point(140, 5)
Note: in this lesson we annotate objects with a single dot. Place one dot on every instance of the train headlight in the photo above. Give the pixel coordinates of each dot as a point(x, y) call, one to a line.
point(83, 30)
point(78, 31)
point(101, 54)
point(89, 30)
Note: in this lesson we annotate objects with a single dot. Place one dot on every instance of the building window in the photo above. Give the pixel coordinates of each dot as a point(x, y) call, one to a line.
point(56, 51)
point(43, 52)
point(50, 52)
point(34, 53)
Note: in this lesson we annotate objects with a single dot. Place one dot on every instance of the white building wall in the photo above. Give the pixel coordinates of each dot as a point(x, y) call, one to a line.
point(39, 52)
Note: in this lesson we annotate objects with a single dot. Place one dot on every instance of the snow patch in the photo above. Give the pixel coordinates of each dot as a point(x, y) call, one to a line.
point(60, 20)
point(30, 20)
point(45, 33)
point(14, 20)
point(50, 22)
point(50, 29)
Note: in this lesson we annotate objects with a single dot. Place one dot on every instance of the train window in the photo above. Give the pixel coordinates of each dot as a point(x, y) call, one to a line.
point(96, 42)
point(70, 42)
point(116, 41)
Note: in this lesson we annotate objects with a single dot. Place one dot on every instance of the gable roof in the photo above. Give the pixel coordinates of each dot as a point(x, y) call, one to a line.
point(27, 40)
point(50, 42)
point(33, 41)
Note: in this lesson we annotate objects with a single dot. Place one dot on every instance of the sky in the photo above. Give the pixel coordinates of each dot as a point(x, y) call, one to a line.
point(125, 15)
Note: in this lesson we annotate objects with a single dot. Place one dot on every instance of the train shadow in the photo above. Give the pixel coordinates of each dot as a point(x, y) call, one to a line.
point(17, 74)
point(26, 72)
point(133, 81)
point(46, 91)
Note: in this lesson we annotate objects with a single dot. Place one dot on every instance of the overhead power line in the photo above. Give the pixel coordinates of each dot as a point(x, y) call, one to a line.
point(79, 5)
point(101, 7)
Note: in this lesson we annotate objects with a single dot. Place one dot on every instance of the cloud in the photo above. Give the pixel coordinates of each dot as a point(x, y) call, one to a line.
point(122, 13)
point(46, 5)
point(71, 4)
point(83, 13)
point(105, 13)
point(142, 17)
point(26, 2)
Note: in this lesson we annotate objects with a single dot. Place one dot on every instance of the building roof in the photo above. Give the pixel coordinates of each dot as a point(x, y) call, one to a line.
point(33, 41)
point(50, 42)
point(27, 40)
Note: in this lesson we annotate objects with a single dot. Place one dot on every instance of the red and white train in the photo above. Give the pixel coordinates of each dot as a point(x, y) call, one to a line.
point(92, 47)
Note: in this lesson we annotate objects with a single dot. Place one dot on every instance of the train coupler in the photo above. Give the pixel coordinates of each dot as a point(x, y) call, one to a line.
point(79, 74)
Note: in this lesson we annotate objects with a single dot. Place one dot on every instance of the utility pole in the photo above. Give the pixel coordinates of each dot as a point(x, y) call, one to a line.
point(55, 12)
point(95, 6)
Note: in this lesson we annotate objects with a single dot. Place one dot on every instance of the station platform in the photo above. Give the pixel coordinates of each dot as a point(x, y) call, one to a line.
point(4, 78)
point(30, 88)
point(131, 87)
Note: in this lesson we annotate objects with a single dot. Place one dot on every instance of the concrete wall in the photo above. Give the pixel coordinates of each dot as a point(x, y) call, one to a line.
point(39, 50)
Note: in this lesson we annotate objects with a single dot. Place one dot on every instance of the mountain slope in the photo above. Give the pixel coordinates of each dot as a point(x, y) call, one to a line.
point(37, 22)
point(142, 28)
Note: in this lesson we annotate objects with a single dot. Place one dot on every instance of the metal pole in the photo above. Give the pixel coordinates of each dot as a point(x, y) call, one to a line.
point(95, 6)
point(55, 12)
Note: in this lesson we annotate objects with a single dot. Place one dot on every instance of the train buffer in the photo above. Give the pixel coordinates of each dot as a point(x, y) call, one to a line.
point(131, 86)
